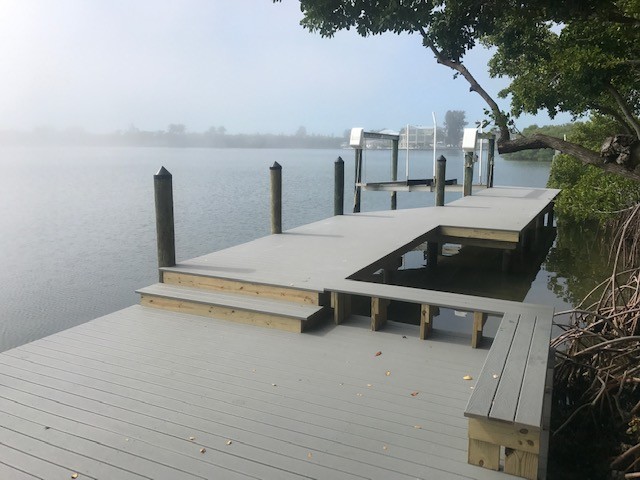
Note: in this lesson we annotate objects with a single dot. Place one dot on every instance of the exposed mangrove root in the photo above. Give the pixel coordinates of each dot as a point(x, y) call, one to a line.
point(597, 373)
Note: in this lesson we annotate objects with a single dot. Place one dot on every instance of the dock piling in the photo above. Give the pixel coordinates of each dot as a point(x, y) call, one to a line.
point(163, 190)
point(358, 179)
point(394, 172)
point(441, 168)
point(276, 198)
point(468, 173)
point(338, 188)
point(491, 160)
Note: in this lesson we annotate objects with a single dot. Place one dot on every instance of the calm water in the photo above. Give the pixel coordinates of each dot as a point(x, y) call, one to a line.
point(77, 232)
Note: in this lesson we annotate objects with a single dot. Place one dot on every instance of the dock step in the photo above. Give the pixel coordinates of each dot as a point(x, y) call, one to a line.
point(185, 278)
point(293, 317)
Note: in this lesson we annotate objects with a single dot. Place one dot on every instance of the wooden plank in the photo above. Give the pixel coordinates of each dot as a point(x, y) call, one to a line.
point(472, 242)
point(484, 454)
point(530, 403)
point(521, 464)
point(174, 277)
point(485, 389)
point(479, 319)
point(341, 304)
point(478, 233)
point(505, 403)
point(226, 313)
point(378, 313)
point(233, 301)
point(505, 434)
point(426, 321)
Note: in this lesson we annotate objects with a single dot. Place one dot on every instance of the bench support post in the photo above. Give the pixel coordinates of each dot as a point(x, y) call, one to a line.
point(426, 321)
point(479, 319)
point(378, 312)
point(522, 447)
point(341, 304)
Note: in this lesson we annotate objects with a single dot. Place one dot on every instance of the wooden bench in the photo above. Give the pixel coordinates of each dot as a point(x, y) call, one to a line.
point(429, 300)
point(510, 404)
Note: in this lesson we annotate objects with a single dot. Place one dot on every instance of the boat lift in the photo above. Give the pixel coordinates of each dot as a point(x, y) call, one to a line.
point(358, 139)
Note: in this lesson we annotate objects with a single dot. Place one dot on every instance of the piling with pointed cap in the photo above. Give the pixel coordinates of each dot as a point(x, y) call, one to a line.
point(163, 189)
point(441, 168)
point(276, 197)
point(338, 187)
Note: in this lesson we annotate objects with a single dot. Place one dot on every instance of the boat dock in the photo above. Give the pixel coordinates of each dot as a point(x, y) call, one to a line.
point(186, 385)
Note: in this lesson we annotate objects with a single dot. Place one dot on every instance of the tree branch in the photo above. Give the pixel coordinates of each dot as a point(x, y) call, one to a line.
point(586, 156)
point(499, 117)
point(624, 108)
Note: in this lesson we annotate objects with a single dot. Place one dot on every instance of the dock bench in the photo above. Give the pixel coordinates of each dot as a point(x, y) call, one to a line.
point(429, 300)
point(510, 405)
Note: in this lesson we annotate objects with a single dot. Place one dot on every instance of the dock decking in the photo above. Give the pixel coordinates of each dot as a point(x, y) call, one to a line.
point(149, 393)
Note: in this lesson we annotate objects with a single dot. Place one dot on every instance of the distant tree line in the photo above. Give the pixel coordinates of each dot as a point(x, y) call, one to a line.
point(176, 135)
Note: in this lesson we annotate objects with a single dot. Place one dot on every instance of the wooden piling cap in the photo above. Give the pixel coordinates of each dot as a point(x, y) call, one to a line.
point(441, 158)
point(339, 160)
point(163, 172)
point(276, 166)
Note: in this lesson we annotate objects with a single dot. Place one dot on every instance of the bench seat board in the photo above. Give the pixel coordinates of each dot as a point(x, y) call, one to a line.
point(533, 385)
point(505, 402)
point(484, 392)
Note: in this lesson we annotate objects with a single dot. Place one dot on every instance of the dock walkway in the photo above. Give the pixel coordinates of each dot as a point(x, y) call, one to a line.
point(150, 393)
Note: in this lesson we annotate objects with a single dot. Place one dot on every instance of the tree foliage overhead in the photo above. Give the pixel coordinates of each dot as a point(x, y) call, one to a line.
point(561, 56)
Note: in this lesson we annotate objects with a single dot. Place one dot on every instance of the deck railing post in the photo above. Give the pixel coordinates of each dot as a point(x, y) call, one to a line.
point(276, 198)
point(491, 161)
point(394, 173)
point(441, 168)
point(163, 190)
point(338, 187)
point(468, 173)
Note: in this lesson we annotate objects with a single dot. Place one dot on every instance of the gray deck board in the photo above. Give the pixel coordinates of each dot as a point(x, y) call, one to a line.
point(137, 375)
point(533, 384)
point(482, 400)
point(120, 397)
point(312, 256)
point(505, 403)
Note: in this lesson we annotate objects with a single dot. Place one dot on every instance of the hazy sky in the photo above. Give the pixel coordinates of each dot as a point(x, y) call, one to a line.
point(247, 65)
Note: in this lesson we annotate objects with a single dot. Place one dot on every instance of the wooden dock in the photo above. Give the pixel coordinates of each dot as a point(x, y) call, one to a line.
point(179, 391)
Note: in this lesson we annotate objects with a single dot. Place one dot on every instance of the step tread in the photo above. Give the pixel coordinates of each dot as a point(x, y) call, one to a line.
point(231, 300)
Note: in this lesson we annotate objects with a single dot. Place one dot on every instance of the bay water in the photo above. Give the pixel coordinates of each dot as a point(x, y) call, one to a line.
point(77, 225)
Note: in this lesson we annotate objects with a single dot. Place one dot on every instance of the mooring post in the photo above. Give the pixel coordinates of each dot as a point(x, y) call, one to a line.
point(276, 198)
point(468, 173)
point(441, 168)
point(394, 172)
point(491, 161)
point(163, 190)
point(338, 187)
point(357, 179)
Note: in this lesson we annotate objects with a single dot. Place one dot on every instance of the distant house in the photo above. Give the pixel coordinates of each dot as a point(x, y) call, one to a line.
point(416, 137)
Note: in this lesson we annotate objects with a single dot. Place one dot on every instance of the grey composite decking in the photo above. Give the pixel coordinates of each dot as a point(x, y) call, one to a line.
point(312, 256)
point(122, 396)
point(146, 393)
